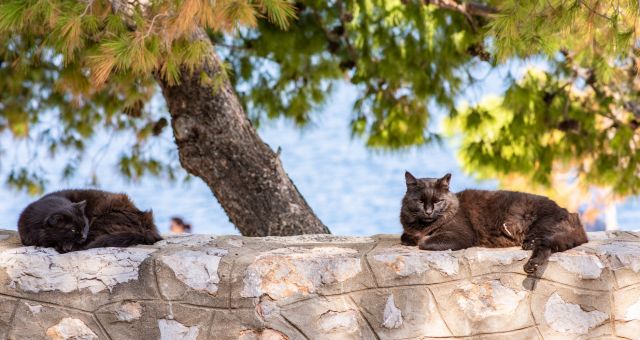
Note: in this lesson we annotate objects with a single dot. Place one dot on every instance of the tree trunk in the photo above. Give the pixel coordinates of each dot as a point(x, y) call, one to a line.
point(217, 143)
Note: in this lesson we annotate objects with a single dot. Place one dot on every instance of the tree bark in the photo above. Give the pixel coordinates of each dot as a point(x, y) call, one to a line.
point(217, 142)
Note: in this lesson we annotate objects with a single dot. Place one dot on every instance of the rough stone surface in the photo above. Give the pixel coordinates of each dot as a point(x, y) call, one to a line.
point(197, 269)
point(571, 318)
point(392, 315)
point(129, 311)
point(173, 330)
point(484, 305)
point(69, 328)
point(416, 306)
point(586, 266)
point(187, 240)
point(294, 271)
point(406, 262)
point(317, 287)
point(626, 308)
point(36, 270)
point(486, 261)
point(52, 322)
point(7, 307)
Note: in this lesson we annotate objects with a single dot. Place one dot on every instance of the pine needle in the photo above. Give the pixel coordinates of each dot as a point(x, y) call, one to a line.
point(12, 16)
point(279, 12)
point(241, 12)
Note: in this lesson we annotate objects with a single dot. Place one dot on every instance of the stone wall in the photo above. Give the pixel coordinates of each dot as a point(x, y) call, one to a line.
point(317, 287)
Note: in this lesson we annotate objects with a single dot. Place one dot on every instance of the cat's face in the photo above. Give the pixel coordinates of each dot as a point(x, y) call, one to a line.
point(426, 198)
point(70, 223)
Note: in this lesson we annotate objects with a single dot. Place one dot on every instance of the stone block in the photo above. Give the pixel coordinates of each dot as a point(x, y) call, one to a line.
point(198, 276)
point(401, 265)
point(7, 308)
point(621, 257)
point(84, 279)
point(626, 310)
point(570, 313)
point(487, 304)
point(294, 273)
point(328, 318)
point(248, 324)
point(496, 260)
point(580, 268)
point(401, 313)
point(43, 321)
point(156, 320)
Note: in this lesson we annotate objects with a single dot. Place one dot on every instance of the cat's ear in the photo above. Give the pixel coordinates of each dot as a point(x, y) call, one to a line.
point(411, 180)
point(444, 181)
point(53, 220)
point(80, 205)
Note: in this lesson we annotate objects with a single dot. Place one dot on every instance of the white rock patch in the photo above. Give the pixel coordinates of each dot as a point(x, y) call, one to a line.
point(392, 317)
point(285, 272)
point(343, 321)
point(498, 256)
point(622, 255)
point(235, 243)
point(187, 240)
point(129, 311)
point(34, 309)
point(43, 269)
point(586, 266)
point(566, 317)
point(71, 329)
point(406, 262)
point(632, 312)
point(265, 334)
point(197, 269)
point(173, 330)
point(480, 300)
point(318, 238)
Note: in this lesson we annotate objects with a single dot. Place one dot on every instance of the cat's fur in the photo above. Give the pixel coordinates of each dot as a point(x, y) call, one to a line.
point(436, 219)
point(72, 220)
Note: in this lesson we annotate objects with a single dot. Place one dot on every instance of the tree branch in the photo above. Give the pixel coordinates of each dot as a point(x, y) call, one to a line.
point(468, 9)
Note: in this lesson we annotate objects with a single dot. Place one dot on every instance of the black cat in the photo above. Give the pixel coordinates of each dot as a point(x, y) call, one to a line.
point(71, 220)
point(436, 219)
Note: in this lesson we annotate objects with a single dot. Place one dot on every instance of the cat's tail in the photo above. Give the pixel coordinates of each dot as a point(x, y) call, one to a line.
point(124, 239)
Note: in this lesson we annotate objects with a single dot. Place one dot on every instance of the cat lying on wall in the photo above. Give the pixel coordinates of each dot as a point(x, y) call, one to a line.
point(433, 218)
point(72, 220)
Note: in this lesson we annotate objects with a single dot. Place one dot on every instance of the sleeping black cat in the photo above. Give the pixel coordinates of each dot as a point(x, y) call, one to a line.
point(436, 219)
point(71, 220)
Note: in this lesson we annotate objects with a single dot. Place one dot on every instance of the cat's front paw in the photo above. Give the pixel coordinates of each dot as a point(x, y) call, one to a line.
point(64, 248)
point(531, 267)
point(529, 244)
point(407, 240)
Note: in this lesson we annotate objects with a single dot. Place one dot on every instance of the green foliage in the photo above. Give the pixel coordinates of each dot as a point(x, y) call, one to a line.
point(542, 124)
point(401, 55)
point(93, 66)
point(407, 58)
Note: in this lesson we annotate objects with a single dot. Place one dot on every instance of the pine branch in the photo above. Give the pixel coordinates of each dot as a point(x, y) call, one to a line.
point(468, 9)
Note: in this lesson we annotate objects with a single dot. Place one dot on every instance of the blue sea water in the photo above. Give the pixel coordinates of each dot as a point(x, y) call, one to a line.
point(354, 190)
